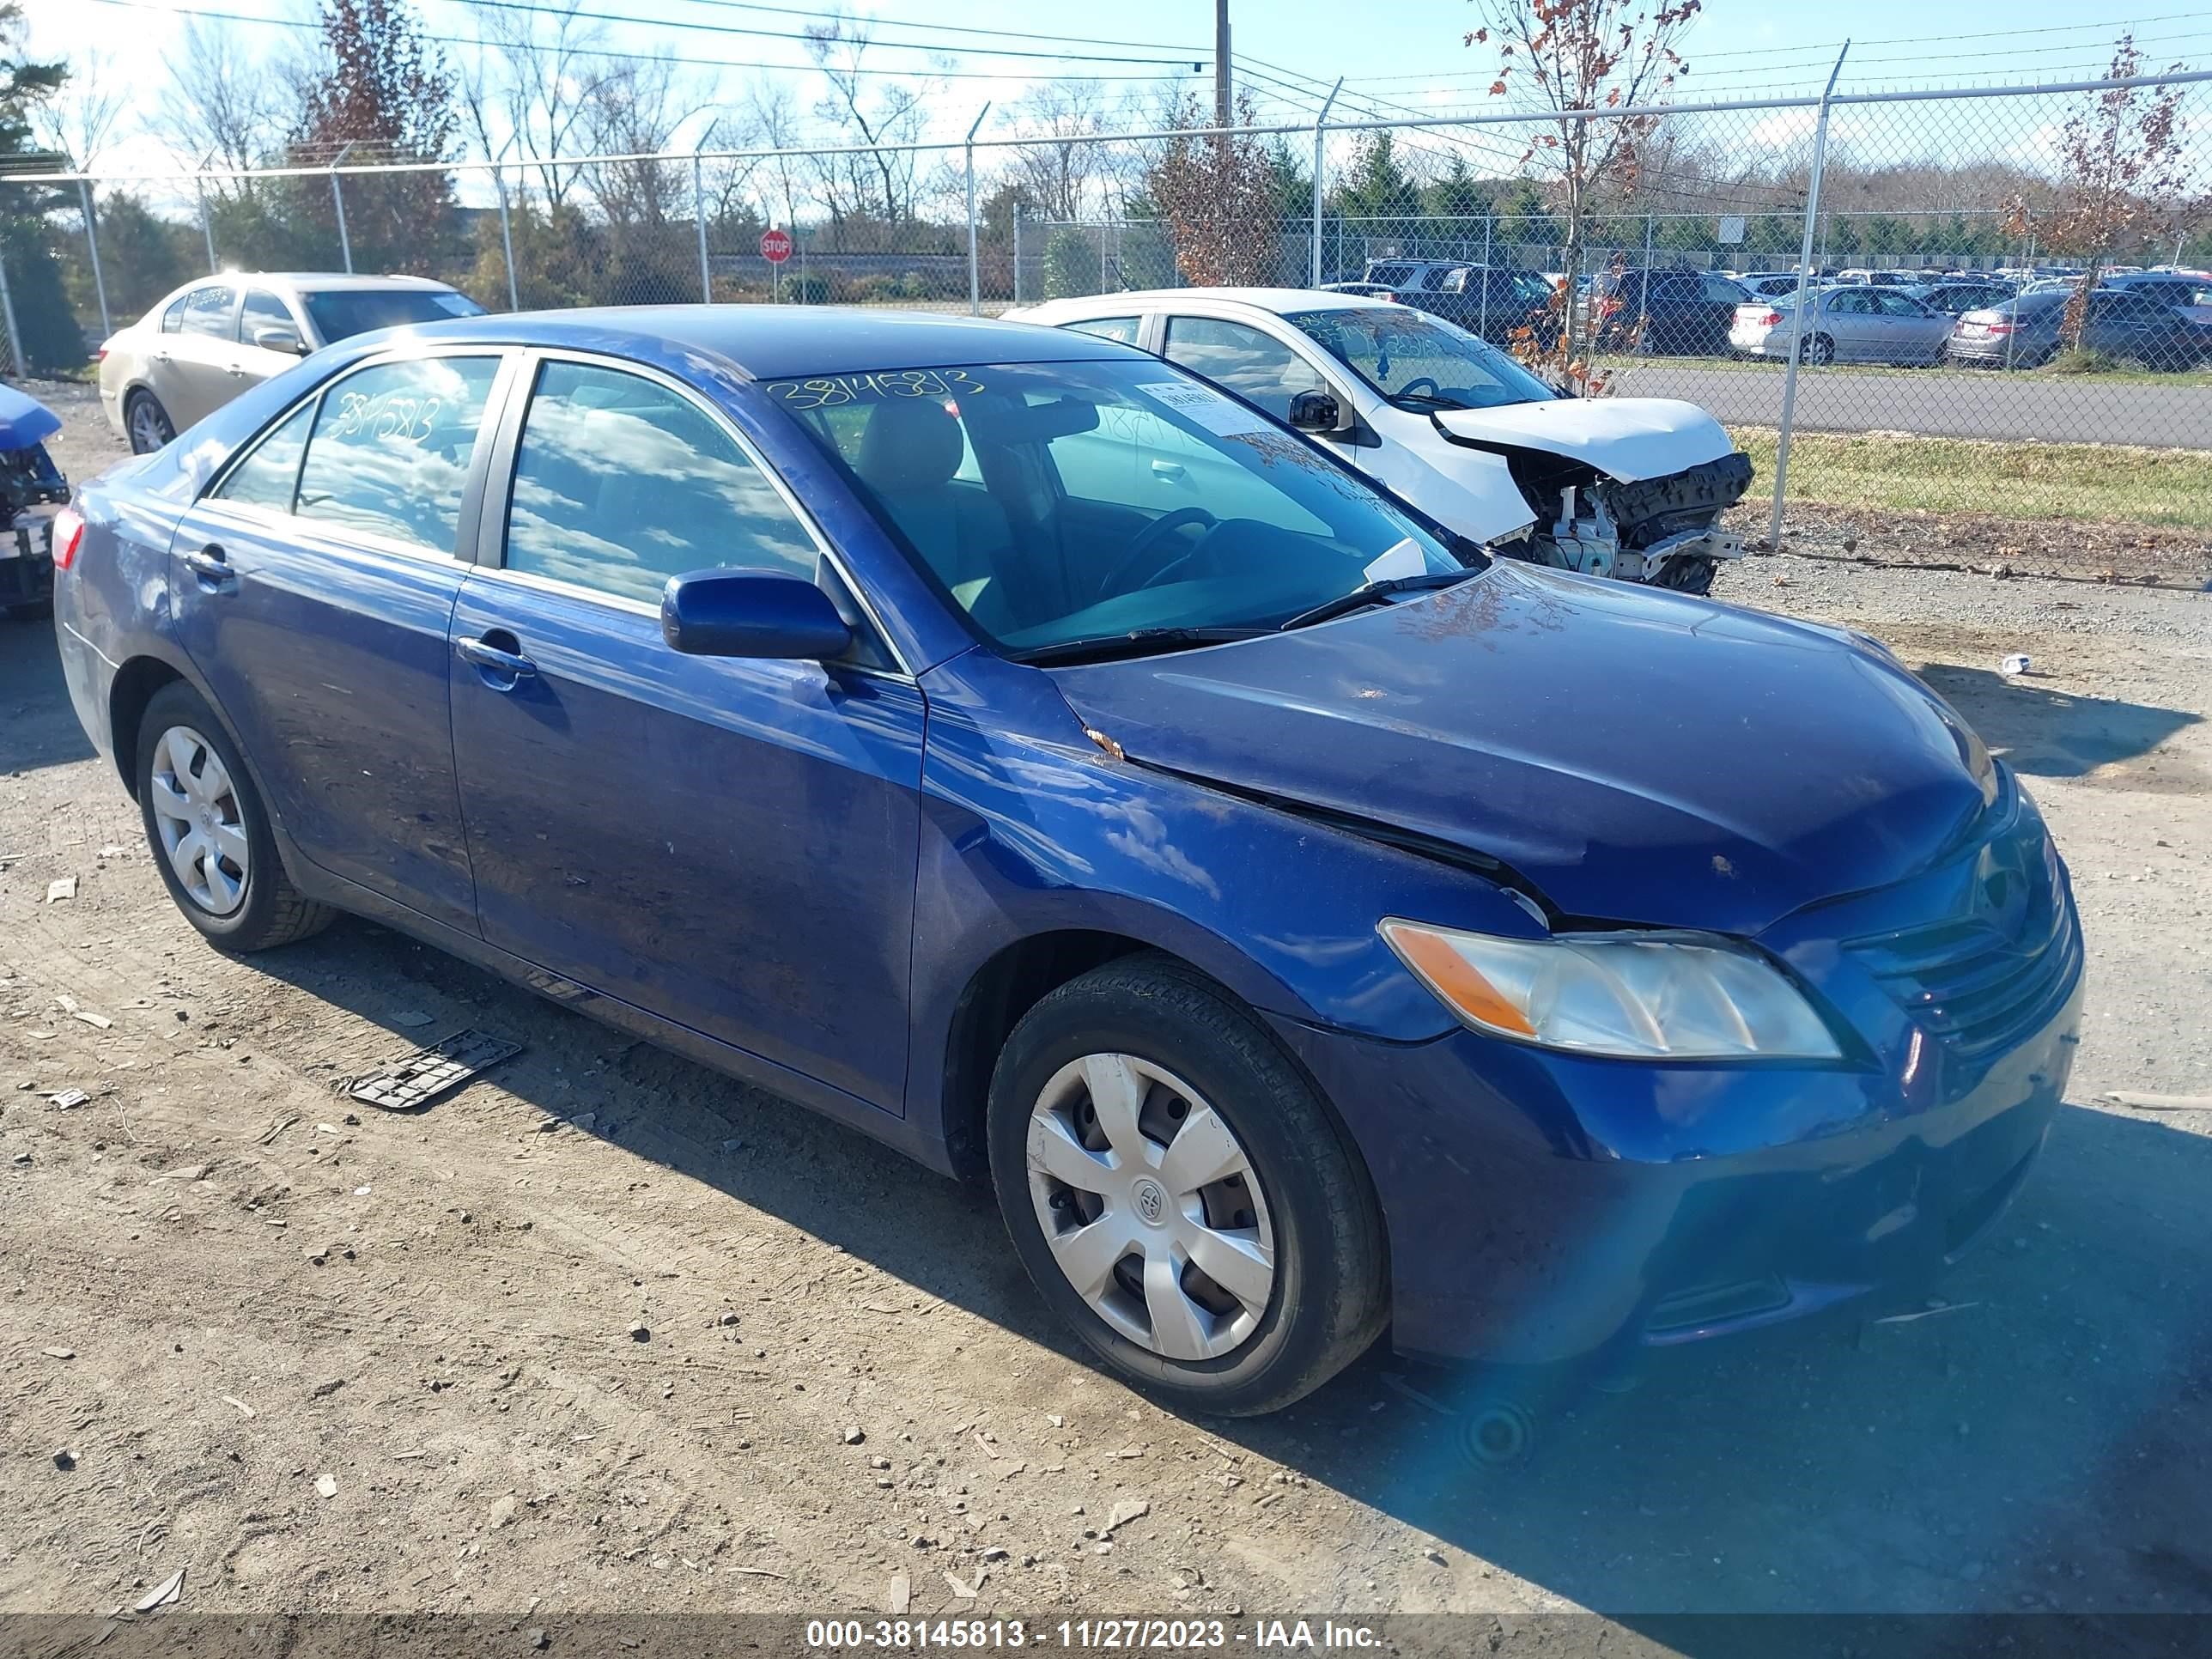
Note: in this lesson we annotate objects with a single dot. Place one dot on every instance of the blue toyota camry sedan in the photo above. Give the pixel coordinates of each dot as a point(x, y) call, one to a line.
point(1026, 753)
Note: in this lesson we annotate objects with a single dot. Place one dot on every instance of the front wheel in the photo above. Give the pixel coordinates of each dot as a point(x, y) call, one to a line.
point(210, 832)
point(1180, 1196)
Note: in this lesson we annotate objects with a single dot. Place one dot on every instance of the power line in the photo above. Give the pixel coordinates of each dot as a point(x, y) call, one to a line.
point(648, 58)
point(874, 23)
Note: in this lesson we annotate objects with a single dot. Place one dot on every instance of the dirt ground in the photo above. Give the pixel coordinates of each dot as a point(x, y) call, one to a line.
point(607, 1333)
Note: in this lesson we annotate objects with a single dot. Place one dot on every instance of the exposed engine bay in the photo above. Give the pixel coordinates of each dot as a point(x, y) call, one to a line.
point(1665, 532)
point(32, 490)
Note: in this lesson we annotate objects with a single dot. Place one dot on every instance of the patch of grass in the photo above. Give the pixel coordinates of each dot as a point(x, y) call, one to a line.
point(2101, 368)
point(2117, 482)
point(2081, 360)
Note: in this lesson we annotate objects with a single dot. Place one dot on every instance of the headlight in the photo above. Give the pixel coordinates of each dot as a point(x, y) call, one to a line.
point(1660, 996)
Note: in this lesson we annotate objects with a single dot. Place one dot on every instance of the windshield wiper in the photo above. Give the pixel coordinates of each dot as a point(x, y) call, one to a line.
point(1137, 642)
point(1368, 593)
point(1427, 400)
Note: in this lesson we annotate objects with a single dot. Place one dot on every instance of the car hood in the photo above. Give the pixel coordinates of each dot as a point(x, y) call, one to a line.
point(1636, 756)
point(1626, 438)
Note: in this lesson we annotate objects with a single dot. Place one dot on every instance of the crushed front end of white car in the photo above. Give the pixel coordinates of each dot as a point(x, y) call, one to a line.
point(1630, 487)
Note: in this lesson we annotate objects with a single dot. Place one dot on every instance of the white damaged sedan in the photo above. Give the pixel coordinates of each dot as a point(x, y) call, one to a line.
point(1631, 487)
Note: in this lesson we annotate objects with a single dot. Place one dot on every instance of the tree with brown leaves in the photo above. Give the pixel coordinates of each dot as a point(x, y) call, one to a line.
point(1564, 57)
point(1218, 197)
point(2122, 178)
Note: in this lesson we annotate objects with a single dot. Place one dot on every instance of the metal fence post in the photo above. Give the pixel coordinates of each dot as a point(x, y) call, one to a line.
point(92, 247)
point(8, 311)
point(337, 196)
point(1798, 317)
point(1017, 250)
point(506, 241)
point(974, 266)
point(1644, 291)
point(207, 224)
point(1482, 306)
point(699, 214)
point(1318, 170)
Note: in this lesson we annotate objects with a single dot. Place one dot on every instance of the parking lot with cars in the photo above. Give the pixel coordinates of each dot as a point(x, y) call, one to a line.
point(304, 1348)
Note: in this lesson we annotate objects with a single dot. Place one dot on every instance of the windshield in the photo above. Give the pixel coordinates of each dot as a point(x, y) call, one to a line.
point(339, 311)
point(1416, 360)
point(1056, 502)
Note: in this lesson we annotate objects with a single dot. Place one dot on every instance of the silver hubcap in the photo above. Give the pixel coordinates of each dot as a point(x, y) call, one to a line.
point(1151, 1206)
point(195, 810)
point(146, 428)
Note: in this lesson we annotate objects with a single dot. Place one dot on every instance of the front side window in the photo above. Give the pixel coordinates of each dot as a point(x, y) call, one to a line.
point(268, 476)
point(263, 310)
point(621, 484)
point(1417, 360)
point(389, 456)
point(211, 310)
point(1145, 499)
point(1123, 329)
point(1254, 366)
point(1900, 305)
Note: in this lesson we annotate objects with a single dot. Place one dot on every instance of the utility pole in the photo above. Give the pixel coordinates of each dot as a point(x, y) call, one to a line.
point(1221, 62)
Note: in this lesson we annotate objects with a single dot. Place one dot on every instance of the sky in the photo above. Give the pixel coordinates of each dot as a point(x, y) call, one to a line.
point(1398, 56)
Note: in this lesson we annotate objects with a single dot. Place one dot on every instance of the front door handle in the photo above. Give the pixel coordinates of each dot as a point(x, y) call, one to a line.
point(212, 569)
point(493, 660)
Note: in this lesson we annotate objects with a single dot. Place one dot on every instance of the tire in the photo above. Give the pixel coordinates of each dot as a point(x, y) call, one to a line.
point(1818, 351)
point(147, 423)
point(242, 905)
point(1302, 1200)
point(1687, 576)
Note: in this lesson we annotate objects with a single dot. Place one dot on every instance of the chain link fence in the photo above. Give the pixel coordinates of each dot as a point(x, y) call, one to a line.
point(1992, 300)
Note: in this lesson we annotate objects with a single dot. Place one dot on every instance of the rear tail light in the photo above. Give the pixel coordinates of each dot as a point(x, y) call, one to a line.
point(100, 355)
point(1771, 319)
point(69, 534)
point(1999, 328)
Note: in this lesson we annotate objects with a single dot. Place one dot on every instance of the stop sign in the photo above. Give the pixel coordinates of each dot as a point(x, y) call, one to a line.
point(775, 246)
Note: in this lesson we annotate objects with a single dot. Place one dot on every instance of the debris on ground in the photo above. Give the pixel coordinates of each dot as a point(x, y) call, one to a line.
point(411, 1017)
point(60, 1354)
point(502, 1511)
point(2150, 1102)
point(854, 1434)
point(641, 1332)
point(902, 1595)
point(420, 1077)
point(65, 1459)
point(68, 1100)
point(2014, 666)
point(65, 888)
point(327, 1485)
point(244, 1410)
point(171, 1588)
point(1128, 1509)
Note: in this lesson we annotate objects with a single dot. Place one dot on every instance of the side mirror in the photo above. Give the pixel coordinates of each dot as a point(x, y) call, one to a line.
point(1315, 411)
point(280, 336)
point(751, 613)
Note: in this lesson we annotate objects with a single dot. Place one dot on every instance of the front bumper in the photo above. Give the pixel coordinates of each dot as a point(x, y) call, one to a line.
point(1544, 1207)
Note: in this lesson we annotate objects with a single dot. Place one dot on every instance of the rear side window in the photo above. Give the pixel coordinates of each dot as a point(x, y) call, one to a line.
point(172, 319)
point(1123, 329)
point(620, 483)
point(390, 454)
point(1256, 366)
point(268, 476)
point(210, 310)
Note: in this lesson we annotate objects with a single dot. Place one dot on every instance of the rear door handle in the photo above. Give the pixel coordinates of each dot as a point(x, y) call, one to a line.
point(493, 660)
point(234, 369)
point(1170, 470)
point(213, 569)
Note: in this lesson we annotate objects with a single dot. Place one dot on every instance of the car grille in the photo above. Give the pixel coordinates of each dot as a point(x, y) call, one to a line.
point(1976, 985)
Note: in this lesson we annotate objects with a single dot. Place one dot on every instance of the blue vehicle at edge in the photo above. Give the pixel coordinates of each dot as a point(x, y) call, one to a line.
point(1010, 746)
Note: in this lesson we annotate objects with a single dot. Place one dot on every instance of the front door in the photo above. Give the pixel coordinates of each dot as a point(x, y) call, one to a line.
point(729, 844)
point(311, 587)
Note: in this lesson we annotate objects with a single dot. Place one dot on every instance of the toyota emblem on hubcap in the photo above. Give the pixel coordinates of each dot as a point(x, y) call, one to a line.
point(1151, 1200)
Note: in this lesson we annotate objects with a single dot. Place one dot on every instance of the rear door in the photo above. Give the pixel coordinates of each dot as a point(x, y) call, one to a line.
point(1852, 321)
point(1911, 333)
point(729, 844)
point(194, 371)
point(312, 587)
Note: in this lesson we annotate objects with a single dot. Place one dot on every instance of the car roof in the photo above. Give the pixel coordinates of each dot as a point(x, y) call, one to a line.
point(769, 343)
point(1276, 299)
point(323, 282)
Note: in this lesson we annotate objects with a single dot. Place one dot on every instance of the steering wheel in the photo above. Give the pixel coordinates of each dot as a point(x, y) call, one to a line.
point(1166, 525)
point(1411, 388)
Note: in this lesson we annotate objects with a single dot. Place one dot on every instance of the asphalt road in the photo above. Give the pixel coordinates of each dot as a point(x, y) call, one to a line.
point(1942, 403)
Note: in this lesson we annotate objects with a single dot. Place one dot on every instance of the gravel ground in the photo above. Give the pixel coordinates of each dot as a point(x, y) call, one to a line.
point(597, 1333)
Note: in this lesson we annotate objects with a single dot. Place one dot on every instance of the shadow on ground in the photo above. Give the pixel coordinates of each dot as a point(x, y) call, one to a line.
point(2044, 1443)
point(2044, 732)
point(36, 726)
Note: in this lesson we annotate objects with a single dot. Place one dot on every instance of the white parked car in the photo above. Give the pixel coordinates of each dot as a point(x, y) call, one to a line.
point(1631, 487)
point(202, 344)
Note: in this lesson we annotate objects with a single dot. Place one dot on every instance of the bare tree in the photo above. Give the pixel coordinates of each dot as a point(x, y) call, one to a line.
point(1060, 176)
point(532, 91)
point(2121, 178)
point(636, 109)
point(866, 110)
point(220, 107)
point(1564, 56)
point(79, 121)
